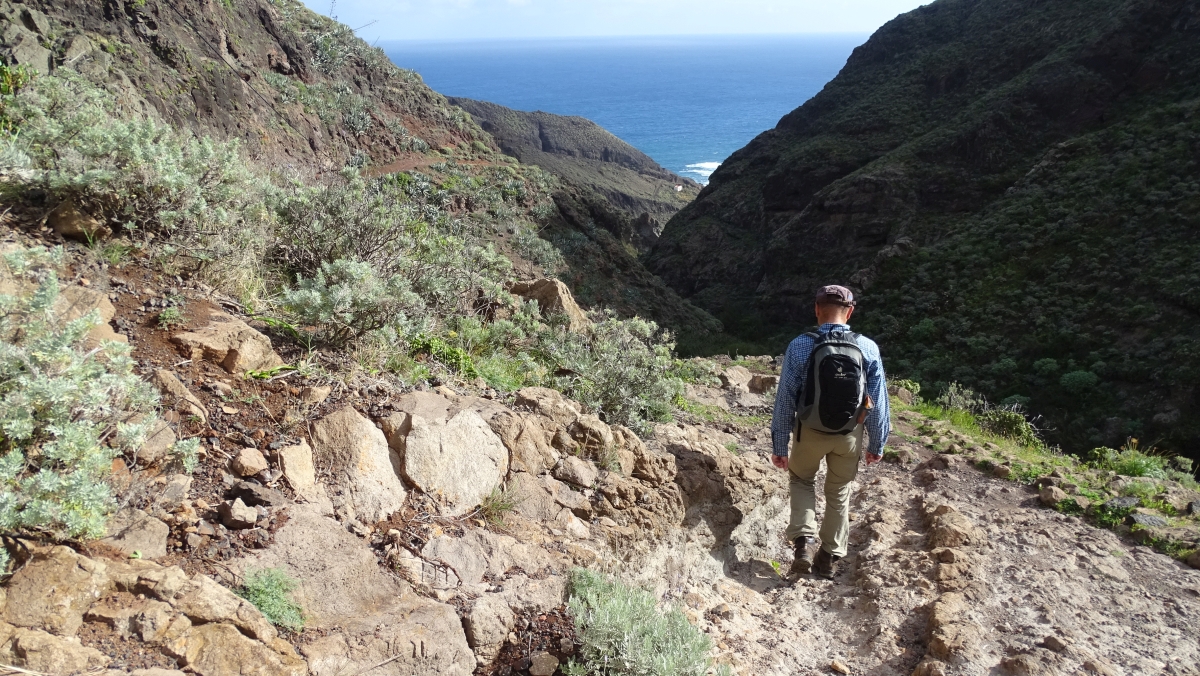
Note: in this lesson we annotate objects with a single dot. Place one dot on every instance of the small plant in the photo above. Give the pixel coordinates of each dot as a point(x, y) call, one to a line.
point(623, 633)
point(911, 385)
point(270, 591)
point(496, 505)
point(1069, 506)
point(732, 447)
point(450, 356)
point(170, 317)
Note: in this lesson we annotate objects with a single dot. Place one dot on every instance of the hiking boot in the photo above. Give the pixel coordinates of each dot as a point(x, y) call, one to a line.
point(825, 565)
point(802, 563)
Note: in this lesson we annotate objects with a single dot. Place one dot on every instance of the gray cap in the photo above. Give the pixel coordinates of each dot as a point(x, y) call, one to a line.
point(837, 295)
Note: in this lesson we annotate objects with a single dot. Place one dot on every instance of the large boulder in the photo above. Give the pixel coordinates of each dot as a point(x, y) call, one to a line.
point(40, 652)
point(219, 649)
point(53, 590)
point(553, 297)
point(525, 439)
point(205, 601)
point(450, 453)
point(736, 378)
point(366, 483)
point(230, 342)
point(364, 614)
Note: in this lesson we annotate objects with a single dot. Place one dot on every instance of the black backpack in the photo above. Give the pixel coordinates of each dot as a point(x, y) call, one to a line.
point(835, 391)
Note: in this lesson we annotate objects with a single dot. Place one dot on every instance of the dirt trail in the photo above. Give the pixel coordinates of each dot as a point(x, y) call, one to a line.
point(951, 571)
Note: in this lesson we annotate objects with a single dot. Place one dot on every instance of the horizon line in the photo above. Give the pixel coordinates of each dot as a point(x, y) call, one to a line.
point(646, 36)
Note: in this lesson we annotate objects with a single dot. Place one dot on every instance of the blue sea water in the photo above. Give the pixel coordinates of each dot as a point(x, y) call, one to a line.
point(688, 102)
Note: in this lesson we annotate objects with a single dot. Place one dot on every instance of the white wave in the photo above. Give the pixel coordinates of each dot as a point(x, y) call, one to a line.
point(702, 169)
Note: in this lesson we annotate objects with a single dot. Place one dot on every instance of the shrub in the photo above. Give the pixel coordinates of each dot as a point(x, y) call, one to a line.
point(1078, 382)
point(69, 141)
point(1132, 461)
point(1009, 423)
point(911, 385)
point(620, 368)
point(624, 634)
point(496, 505)
point(269, 590)
point(958, 397)
point(347, 298)
point(65, 412)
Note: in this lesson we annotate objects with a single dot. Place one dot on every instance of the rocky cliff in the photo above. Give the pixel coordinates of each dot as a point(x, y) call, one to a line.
point(1010, 186)
point(586, 155)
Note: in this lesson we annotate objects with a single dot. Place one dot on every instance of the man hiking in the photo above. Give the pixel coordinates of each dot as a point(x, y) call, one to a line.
point(831, 388)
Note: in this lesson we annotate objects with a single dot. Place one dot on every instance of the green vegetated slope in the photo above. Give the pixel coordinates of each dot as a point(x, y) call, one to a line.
point(585, 154)
point(1014, 188)
point(304, 98)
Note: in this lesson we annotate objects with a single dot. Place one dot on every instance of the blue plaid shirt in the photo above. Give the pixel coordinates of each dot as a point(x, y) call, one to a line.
point(791, 385)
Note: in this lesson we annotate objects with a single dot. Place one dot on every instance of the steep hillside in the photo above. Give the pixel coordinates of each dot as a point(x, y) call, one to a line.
point(585, 154)
point(1011, 186)
point(302, 98)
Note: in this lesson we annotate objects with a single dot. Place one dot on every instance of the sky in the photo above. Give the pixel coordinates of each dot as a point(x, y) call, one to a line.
point(512, 19)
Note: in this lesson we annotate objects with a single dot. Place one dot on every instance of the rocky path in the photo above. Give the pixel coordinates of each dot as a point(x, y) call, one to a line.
point(951, 571)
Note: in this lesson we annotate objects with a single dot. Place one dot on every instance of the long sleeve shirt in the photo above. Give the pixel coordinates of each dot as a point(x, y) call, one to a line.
point(791, 386)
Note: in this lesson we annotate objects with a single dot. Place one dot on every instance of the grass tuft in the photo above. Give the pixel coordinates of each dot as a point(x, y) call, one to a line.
point(270, 591)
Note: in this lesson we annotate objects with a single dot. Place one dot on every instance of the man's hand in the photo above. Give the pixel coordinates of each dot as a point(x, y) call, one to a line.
point(872, 459)
point(779, 461)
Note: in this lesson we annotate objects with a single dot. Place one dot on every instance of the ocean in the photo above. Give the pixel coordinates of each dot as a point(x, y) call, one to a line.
point(687, 102)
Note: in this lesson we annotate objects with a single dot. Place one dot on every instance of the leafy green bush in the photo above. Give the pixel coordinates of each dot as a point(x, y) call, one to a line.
point(270, 591)
point(910, 385)
point(348, 298)
point(623, 633)
point(1009, 423)
point(1132, 461)
point(956, 396)
point(1078, 382)
point(65, 412)
point(620, 368)
point(448, 355)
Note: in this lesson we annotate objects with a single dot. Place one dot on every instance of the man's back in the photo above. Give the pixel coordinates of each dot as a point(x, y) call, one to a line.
point(793, 379)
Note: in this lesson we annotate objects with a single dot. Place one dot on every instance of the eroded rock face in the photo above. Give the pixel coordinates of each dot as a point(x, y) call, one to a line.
point(452, 455)
point(549, 403)
point(367, 485)
point(45, 653)
point(230, 342)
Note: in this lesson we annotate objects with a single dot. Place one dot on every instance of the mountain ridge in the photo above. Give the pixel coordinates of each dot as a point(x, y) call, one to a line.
point(924, 176)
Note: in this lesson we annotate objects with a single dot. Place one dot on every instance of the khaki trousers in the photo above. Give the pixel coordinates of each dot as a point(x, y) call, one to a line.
point(841, 453)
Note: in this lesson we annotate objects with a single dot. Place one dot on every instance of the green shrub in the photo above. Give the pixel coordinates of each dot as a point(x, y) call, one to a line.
point(1009, 423)
point(450, 356)
point(620, 368)
point(348, 298)
point(623, 633)
point(72, 141)
point(270, 591)
point(69, 141)
point(496, 505)
point(1078, 382)
point(956, 396)
point(65, 412)
point(911, 385)
point(1132, 461)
